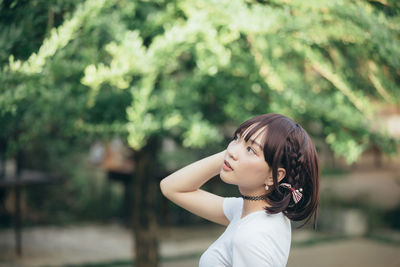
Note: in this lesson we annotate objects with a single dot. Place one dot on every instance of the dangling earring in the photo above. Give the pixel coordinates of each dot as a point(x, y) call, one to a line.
point(266, 187)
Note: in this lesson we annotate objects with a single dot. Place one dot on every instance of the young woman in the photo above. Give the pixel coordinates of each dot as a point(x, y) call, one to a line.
point(274, 163)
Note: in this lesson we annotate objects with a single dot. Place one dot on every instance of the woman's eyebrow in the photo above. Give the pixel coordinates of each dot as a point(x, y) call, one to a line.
point(256, 143)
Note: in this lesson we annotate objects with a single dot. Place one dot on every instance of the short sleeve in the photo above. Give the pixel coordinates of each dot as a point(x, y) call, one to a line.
point(232, 207)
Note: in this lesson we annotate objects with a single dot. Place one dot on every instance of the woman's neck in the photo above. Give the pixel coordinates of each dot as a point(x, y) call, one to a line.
point(250, 206)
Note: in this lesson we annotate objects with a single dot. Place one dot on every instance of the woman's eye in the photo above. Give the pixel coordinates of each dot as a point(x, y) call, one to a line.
point(251, 150)
point(235, 138)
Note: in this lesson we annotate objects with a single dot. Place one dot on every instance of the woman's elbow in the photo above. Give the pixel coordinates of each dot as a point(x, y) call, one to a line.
point(164, 187)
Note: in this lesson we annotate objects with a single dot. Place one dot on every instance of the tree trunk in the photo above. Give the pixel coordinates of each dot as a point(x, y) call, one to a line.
point(145, 190)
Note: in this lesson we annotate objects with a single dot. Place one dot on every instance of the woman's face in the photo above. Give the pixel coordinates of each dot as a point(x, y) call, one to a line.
point(245, 165)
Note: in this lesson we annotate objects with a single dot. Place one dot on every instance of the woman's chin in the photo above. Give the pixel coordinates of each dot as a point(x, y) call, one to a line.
point(225, 179)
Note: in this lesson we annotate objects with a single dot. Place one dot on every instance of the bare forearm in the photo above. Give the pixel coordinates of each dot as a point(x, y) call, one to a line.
point(191, 177)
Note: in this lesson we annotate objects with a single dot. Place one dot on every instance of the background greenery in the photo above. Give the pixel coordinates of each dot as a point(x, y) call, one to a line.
point(75, 72)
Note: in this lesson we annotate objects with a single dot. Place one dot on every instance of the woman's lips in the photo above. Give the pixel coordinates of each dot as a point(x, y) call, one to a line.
point(227, 166)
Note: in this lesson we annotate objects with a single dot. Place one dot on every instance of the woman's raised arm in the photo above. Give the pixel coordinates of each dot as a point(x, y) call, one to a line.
point(183, 188)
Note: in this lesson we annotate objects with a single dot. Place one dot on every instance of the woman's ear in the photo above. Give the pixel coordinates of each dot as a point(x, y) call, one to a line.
point(281, 174)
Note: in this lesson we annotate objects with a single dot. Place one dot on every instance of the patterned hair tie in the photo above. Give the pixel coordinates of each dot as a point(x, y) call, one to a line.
point(296, 193)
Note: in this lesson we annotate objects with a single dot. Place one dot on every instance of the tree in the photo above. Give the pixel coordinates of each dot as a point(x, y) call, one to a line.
point(187, 70)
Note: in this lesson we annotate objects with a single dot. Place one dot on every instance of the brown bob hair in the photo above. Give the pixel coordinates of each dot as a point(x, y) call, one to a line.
point(287, 145)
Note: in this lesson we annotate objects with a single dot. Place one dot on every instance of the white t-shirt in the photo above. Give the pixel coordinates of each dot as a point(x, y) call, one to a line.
point(258, 239)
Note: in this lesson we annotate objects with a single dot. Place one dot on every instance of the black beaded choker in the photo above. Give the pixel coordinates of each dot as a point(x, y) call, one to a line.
point(254, 198)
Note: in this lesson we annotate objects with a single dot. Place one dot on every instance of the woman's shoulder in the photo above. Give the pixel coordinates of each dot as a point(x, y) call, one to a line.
point(232, 207)
point(266, 226)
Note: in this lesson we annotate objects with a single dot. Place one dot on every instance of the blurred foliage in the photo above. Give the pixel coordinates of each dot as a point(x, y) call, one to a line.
point(392, 218)
point(332, 210)
point(78, 70)
point(189, 71)
point(85, 195)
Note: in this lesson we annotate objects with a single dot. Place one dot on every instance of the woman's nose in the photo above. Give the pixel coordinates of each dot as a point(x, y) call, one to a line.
point(232, 151)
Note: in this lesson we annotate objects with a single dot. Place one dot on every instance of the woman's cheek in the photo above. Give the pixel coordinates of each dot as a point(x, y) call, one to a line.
point(258, 171)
